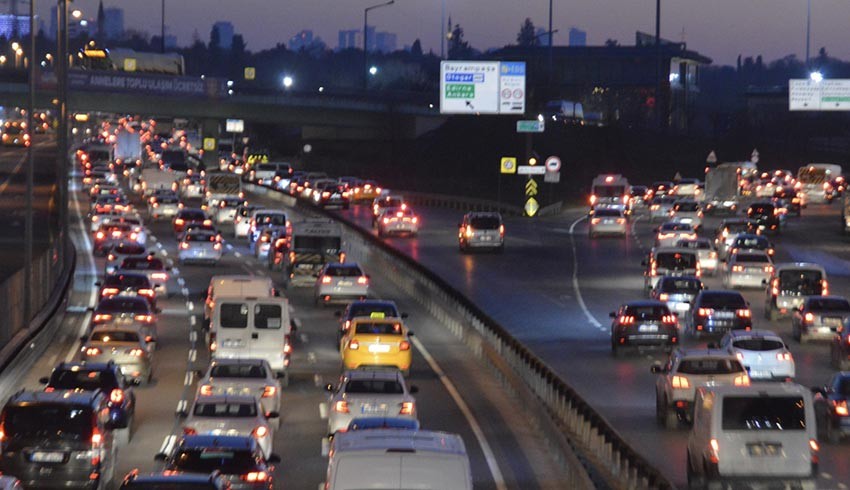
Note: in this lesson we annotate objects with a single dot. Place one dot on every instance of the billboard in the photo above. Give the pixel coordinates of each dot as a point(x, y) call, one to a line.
point(482, 87)
point(823, 95)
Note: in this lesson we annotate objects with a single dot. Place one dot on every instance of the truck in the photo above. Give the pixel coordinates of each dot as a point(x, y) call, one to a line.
point(153, 179)
point(128, 148)
point(221, 185)
point(722, 188)
point(845, 213)
point(314, 243)
point(815, 181)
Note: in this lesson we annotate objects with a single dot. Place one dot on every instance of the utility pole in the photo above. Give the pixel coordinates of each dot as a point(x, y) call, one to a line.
point(551, 41)
point(162, 26)
point(366, 40)
point(808, 30)
point(658, 63)
point(28, 222)
point(443, 32)
point(62, 96)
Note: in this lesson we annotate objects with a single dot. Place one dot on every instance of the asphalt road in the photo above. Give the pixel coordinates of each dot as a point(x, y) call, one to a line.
point(553, 288)
point(505, 451)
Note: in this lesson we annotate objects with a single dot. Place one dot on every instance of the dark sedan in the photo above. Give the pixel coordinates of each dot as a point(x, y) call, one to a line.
point(717, 312)
point(647, 323)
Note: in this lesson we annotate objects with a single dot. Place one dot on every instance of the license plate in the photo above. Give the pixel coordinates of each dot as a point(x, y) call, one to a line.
point(232, 343)
point(304, 266)
point(370, 408)
point(345, 283)
point(379, 348)
point(648, 328)
point(486, 238)
point(683, 306)
point(762, 449)
point(724, 315)
point(686, 220)
point(832, 322)
point(759, 374)
point(45, 457)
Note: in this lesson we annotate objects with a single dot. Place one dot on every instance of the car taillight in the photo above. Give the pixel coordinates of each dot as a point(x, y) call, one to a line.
point(179, 221)
point(774, 290)
point(326, 279)
point(326, 195)
point(206, 390)
point(260, 431)
point(404, 345)
point(705, 311)
point(109, 291)
point(715, 451)
point(160, 276)
point(189, 431)
point(737, 268)
point(341, 407)
point(825, 288)
point(144, 318)
point(110, 257)
point(207, 222)
point(809, 317)
point(116, 395)
point(595, 221)
point(669, 319)
point(93, 351)
point(743, 313)
point(136, 352)
point(663, 297)
point(184, 245)
point(592, 199)
point(840, 407)
point(217, 246)
point(680, 382)
point(783, 356)
point(621, 221)
point(386, 220)
point(406, 408)
point(148, 293)
point(269, 391)
point(741, 380)
point(626, 320)
point(99, 235)
point(102, 317)
point(353, 344)
point(469, 232)
point(768, 269)
point(255, 476)
point(362, 280)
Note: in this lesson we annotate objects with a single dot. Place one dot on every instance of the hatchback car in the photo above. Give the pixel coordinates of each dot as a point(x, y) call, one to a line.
point(376, 342)
point(199, 246)
point(819, 318)
point(119, 252)
point(384, 202)
point(186, 216)
point(607, 221)
point(127, 285)
point(659, 207)
point(747, 270)
point(481, 230)
point(669, 261)
point(231, 415)
point(397, 222)
point(238, 459)
point(831, 406)
point(684, 372)
point(344, 281)
point(748, 242)
point(678, 292)
point(242, 377)
point(643, 324)
point(151, 266)
point(687, 211)
point(763, 354)
point(670, 233)
point(369, 393)
point(127, 311)
point(706, 255)
point(123, 346)
point(717, 312)
point(165, 206)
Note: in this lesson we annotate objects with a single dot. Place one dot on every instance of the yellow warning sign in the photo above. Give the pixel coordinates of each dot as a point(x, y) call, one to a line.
point(531, 187)
point(209, 144)
point(129, 64)
point(531, 207)
point(250, 73)
point(508, 165)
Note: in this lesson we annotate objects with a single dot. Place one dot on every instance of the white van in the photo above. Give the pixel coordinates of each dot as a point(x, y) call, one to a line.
point(236, 285)
point(763, 433)
point(397, 458)
point(252, 328)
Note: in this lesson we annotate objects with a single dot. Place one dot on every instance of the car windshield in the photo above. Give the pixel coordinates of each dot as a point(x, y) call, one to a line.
point(722, 300)
point(676, 227)
point(256, 371)
point(378, 328)
point(694, 244)
point(802, 282)
point(676, 260)
point(607, 213)
point(115, 336)
point(316, 243)
point(829, 304)
point(131, 305)
point(271, 219)
point(366, 309)
point(710, 366)
point(374, 386)
point(167, 200)
point(344, 271)
point(758, 344)
point(751, 242)
point(608, 190)
point(683, 285)
point(225, 409)
point(200, 237)
point(83, 379)
point(125, 248)
point(734, 228)
point(764, 413)
point(192, 215)
point(142, 264)
point(762, 210)
point(759, 258)
point(647, 312)
point(127, 280)
point(844, 387)
point(686, 207)
point(48, 421)
point(486, 222)
point(207, 460)
point(390, 202)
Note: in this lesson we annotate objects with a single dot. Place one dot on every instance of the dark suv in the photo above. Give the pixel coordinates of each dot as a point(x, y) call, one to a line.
point(239, 459)
point(58, 439)
point(175, 481)
point(643, 324)
point(94, 376)
point(766, 217)
point(717, 312)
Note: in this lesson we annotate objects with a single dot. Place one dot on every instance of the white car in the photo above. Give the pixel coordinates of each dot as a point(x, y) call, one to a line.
point(164, 206)
point(687, 188)
point(397, 221)
point(369, 393)
point(98, 219)
point(669, 234)
point(659, 207)
point(193, 186)
point(199, 246)
point(687, 211)
point(748, 270)
point(763, 353)
point(225, 212)
point(268, 236)
point(706, 254)
point(607, 221)
point(242, 220)
point(231, 415)
point(252, 377)
point(120, 251)
point(341, 282)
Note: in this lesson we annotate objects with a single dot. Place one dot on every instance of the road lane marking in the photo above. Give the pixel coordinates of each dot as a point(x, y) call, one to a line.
point(229, 246)
point(5, 183)
point(311, 357)
point(323, 410)
point(185, 291)
point(192, 321)
point(238, 254)
point(90, 271)
point(181, 406)
point(170, 262)
point(187, 380)
point(159, 245)
point(593, 321)
point(304, 338)
point(175, 271)
point(190, 305)
point(181, 281)
point(193, 355)
point(168, 444)
point(193, 336)
point(498, 479)
point(165, 253)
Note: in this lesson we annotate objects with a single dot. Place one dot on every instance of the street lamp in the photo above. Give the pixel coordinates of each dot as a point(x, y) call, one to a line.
point(287, 82)
point(77, 13)
point(366, 39)
point(18, 53)
point(816, 76)
point(373, 70)
point(15, 46)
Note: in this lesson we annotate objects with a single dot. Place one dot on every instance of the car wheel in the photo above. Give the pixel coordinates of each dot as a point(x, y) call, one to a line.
point(833, 435)
point(671, 418)
point(795, 333)
point(284, 380)
point(615, 348)
point(695, 480)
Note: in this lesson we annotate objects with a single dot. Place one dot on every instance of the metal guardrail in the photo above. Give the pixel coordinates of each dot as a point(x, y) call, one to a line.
point(578, 424)
point(472, 204)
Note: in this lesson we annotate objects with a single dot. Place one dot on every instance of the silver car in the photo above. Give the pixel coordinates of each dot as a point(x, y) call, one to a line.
point(687, 211)
point(659, 207)
point(123, 345)
point(369, 393)
point(242, 220)
point(252, 377)
point(481, 230)
point(397, 221)
point(231, 415)
point(819, 318)
point(607, 221)
point(763, 354)
point(199, 246)
point(341, 282)
point(264, 241)
point(706, 254)
point(668, 234)
point(164, 206)
point(748, 270)
point(120, 251)
point(225, 212)
point(98, 219)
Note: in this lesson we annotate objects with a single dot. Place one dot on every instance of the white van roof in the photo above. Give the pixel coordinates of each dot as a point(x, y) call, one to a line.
point(243, 278)
point(405, 440)
point(761, 389)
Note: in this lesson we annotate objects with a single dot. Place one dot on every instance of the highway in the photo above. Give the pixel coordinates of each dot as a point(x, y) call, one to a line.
point(553, 289)
point(504, 449)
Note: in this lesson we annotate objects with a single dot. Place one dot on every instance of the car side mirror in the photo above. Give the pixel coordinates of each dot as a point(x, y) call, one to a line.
point(329, 388)
point(273, 459)
point(159, 457)
point(413, 389)
point(44, 380)
point(272, 415)
point(657, 368)
point(612, 314)
point(84, 338)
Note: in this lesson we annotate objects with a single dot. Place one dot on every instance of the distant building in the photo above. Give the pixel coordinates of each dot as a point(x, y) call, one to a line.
point(113, 23)
point(225, 33)
point(542, 36)
point(14, 24)
point(170, 41)
point(385, 42)
point(348, 39)
point(578, 37)
point(300, 41)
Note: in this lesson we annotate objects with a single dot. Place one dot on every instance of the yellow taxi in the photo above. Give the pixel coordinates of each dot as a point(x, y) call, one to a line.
point(366, 190)
point(376, 342)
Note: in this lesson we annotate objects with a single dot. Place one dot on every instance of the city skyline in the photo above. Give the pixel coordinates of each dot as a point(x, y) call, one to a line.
point(722, 29)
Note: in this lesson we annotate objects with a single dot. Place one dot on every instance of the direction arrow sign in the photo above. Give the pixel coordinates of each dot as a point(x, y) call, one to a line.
point(531, 126)
point(529, 170)
point(711, 158)
point(553, 164)
point(531, 187)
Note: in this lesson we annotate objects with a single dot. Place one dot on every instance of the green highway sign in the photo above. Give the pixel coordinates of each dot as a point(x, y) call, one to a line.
point(460, 91)
point(532, 126)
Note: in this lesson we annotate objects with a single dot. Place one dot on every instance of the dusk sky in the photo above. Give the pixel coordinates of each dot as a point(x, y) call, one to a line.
point(720, 29)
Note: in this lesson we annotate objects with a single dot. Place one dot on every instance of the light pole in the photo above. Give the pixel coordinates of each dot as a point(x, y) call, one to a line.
point(28, 221)
point(366, 40)
point(658, 62)
point(162, 26)
point(62, 97)
point(551, 41)
point(808, 29)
